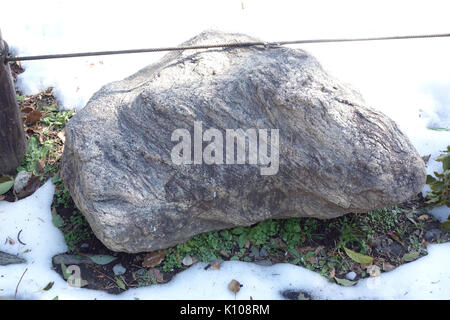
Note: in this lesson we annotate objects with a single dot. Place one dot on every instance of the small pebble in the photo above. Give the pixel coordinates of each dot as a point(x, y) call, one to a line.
point(432, 235)
point(254, 252)
point(119, 269)
point(21, 181)
point(187, 261)
point(350, 276)
point(264, 263)
point(263, 252)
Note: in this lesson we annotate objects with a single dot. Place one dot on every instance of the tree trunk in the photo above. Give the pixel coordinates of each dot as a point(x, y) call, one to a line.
point(12, 135)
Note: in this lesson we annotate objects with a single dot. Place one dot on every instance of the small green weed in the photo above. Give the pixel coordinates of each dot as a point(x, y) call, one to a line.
point(62, 197)
point(20, 97)
point(440, 184)
point(76, 230)
point(36, 152)
point(55, 118)
point(144, 278)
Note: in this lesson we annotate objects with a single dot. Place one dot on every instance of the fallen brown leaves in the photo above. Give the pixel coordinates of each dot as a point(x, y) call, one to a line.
point(234, 286)
point(153, 259)
point(33, 117)
point(156, 274)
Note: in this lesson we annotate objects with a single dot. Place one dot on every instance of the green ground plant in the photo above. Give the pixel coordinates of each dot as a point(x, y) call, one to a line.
point(36, 152)
point(55, 118)
point(440, 183)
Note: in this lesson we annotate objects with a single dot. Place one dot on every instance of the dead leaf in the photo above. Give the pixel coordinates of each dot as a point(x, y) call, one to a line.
point(305, 249)
point(423, 217)
point(358, 257)
point(41, 138)
point(156, 275)
point(396, 236)
point(224, 253)
point(426, 158)
point(373, 270)
point(48, 286)
point(2, 198)
point(11, 241)
point(379, 260)
point(27, 109)
point(62, 135)
point(345, 282)
point(216, 264)
point(318, 249)
point(120, 283)
point(40, 165)
point(153, 259)
point(303, 296)
point(357, 269)
point(411, 256)
point(388, 267)
point(333, 273)
point(33, 117)
point(445, 226)
point(32, 131)
point(311, 259)
point(234, 286)
point(412, 220)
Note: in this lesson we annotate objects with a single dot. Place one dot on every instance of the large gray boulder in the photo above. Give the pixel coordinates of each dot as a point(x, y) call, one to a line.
point(336, 154)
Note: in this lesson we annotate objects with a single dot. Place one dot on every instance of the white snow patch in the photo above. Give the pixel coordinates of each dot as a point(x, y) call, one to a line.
point(32, 215)
point(441, 213)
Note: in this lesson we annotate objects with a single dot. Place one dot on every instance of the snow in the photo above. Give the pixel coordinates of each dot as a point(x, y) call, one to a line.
point(409, 80)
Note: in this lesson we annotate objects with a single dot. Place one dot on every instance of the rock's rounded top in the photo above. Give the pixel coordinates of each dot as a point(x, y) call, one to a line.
point(336, 155)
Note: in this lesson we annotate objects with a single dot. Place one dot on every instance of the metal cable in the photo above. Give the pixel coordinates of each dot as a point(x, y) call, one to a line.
point(223, 45)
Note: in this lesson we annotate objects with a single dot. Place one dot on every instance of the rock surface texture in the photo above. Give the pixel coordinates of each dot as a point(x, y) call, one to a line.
point(336, 154)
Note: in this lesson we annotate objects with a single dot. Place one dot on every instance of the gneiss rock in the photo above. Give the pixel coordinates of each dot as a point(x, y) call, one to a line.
point(335, 154)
